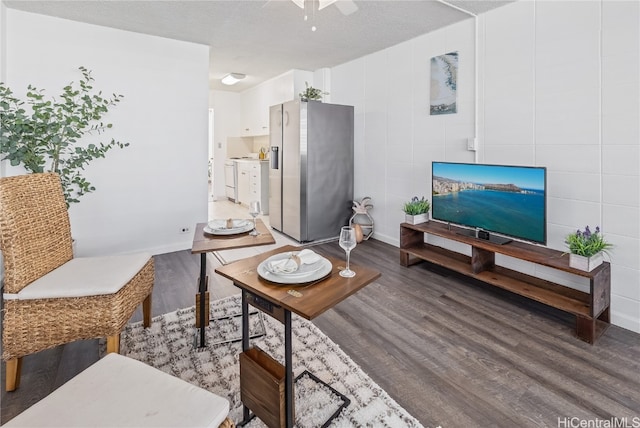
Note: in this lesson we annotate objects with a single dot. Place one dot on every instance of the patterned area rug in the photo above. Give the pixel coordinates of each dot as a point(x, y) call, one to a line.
point(168, 346)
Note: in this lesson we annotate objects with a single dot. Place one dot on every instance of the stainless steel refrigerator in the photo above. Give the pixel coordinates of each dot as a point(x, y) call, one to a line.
point(310, 169)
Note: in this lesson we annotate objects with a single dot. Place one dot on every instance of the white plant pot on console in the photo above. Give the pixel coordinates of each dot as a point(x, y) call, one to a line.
point(586, 264)
point(416, 219)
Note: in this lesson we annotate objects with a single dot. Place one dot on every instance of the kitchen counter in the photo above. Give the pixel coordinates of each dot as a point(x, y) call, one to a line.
point(249, 160)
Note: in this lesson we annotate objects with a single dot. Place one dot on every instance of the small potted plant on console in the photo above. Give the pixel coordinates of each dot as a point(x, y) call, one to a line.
point(586, 249)
point(417, 210)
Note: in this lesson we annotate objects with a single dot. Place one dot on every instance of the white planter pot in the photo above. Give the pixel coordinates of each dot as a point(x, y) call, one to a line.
point(586, 263)
point(416, 219)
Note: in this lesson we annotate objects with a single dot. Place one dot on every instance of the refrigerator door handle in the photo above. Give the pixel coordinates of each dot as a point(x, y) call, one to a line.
point(286, 120)
point(274, 157)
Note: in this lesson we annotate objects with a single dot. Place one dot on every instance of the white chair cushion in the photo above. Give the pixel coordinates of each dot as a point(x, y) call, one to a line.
point(85, 276)
point(119, 391)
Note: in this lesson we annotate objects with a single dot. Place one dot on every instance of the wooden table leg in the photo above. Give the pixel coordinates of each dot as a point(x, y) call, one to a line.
point(288, 364)
point(245, 342)
point(202, 301)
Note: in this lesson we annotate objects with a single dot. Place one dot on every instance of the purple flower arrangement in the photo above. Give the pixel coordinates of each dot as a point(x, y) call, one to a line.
point(416, 206)
point(587, 243)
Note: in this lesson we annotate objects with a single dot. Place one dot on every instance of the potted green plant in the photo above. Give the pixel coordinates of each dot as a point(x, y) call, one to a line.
point(417, 210)
point(586, 248)
point(45, 134)
point(311, 93)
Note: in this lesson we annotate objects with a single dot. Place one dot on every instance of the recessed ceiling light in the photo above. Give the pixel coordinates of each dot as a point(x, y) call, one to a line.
point(232, 78)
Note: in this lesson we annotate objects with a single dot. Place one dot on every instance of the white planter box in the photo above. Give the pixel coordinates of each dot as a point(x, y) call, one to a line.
point(585, 263)
point(416, 219)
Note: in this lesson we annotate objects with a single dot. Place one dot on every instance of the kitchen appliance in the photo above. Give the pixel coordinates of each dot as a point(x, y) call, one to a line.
point(310, 169)
point(231, 180)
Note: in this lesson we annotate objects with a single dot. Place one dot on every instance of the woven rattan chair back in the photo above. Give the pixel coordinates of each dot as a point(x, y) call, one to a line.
point(35, 239)
point(35, 234)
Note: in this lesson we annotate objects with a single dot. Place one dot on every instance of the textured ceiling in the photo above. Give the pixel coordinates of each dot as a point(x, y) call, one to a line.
point(265, 38)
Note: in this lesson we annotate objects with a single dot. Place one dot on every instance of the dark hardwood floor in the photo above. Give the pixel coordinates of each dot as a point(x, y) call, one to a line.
point(451, 351)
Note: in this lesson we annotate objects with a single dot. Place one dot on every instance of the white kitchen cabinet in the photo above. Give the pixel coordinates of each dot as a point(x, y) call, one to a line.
point(254, 111)
point(244, 174)
point(259, 184)
point(255, 102)
point(253, 183)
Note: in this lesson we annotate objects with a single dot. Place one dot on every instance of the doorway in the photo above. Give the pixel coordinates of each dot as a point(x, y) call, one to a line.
point(211, 192)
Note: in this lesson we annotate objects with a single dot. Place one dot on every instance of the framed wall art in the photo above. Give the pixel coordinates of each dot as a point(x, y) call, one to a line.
point(444, 82)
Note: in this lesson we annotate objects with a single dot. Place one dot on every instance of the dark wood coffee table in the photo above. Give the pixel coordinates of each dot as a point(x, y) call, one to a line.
point(204, 243)
point(279, 301)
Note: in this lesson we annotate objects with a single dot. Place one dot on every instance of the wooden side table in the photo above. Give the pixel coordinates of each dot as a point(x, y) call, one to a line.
point(280, 301)
point(204, 243)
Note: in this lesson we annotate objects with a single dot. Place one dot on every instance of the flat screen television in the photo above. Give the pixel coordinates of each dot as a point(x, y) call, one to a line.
point(506, 200)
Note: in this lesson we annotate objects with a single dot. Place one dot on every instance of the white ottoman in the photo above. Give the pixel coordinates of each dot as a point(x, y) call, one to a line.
point(122, 392)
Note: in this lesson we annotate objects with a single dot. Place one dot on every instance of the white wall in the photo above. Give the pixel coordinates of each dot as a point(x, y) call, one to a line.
point(148, 191)
point(558, 87)
point(567, 98)
point(3, 42)
point(395, 137)
point(620, 152)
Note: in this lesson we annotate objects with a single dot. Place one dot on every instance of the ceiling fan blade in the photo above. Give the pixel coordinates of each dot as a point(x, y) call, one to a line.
point(324, 3)
point(347, 7)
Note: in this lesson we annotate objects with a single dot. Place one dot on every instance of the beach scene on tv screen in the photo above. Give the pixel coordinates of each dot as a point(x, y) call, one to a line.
point(504, 199)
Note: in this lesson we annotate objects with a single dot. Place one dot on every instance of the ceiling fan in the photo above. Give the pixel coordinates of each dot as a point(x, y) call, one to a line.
point(347, 7)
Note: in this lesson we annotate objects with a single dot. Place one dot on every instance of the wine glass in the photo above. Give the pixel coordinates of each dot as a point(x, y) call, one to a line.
point(348, 243)
point(254, 211)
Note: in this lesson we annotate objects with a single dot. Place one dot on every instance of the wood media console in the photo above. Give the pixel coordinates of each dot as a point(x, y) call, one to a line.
point(591, 309)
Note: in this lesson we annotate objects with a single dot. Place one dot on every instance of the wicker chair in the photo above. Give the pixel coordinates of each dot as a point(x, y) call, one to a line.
point(51, 298)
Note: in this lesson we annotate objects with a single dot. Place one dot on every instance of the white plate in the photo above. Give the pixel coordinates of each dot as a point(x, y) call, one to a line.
point(219, 227)
point(306, 273)
point(303, 270)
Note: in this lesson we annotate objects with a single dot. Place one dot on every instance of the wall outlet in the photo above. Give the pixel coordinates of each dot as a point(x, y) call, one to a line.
point(472, 144)
point(184, 229)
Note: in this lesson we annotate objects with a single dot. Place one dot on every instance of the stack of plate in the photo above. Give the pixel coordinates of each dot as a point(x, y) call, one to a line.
point(219, 227)
point(306, 272)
